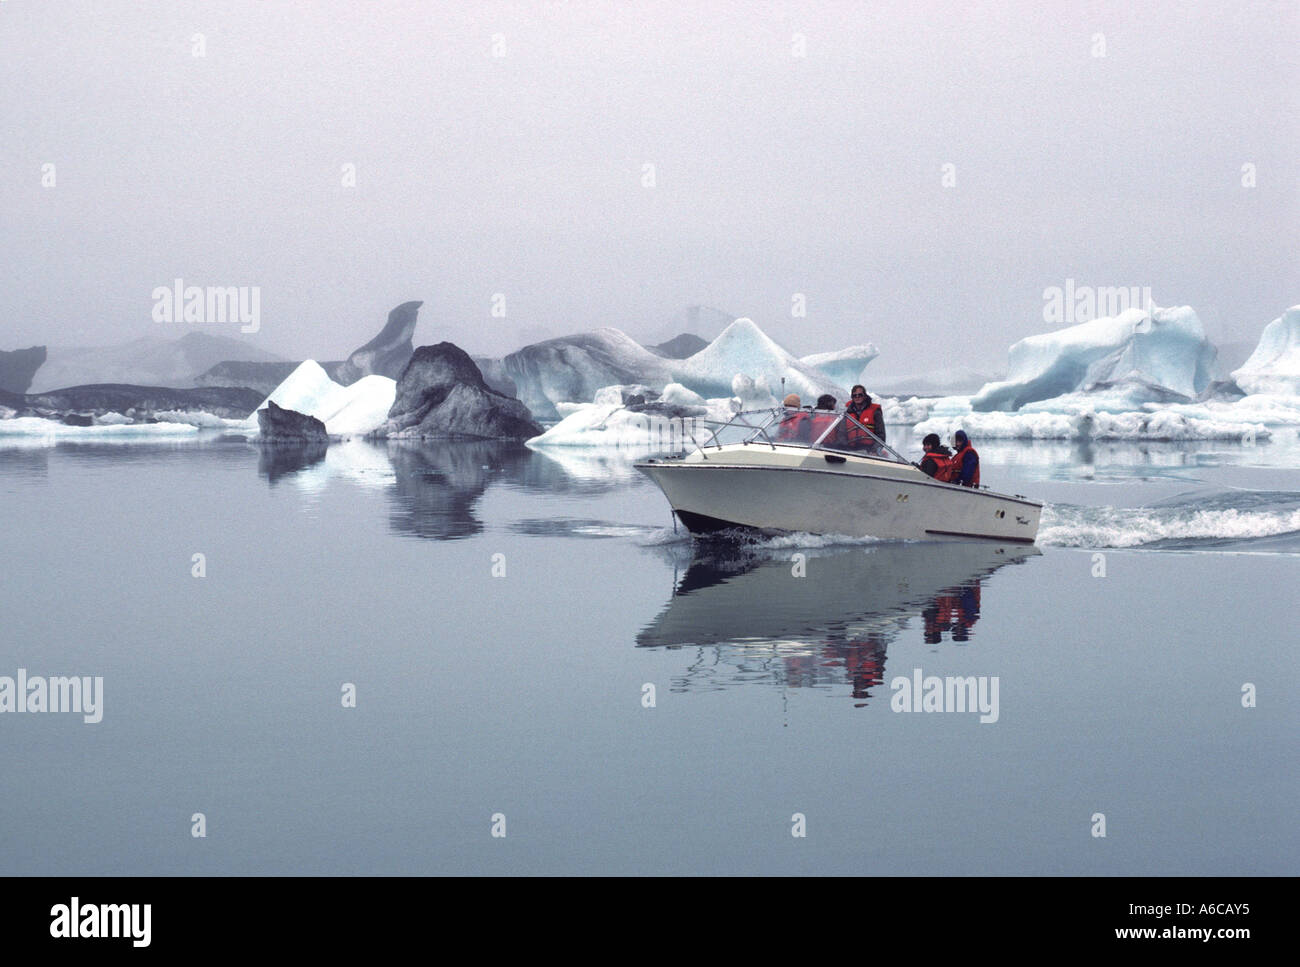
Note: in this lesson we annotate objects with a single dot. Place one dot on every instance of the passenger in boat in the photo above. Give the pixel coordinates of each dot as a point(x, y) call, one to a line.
point(966, 462)
point(795, 426)
point(822, 419)
point(937, 461)
point(867, 413)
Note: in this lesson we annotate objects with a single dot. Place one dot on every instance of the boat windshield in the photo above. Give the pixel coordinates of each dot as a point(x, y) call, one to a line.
point(811, 429)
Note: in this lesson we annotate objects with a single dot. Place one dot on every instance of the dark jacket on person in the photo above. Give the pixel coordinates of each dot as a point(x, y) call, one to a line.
point(930, 466)
point(968, 474)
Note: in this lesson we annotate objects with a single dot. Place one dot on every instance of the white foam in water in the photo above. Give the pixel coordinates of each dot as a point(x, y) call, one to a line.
point(1066, 525)
point(667, 537)
point(796, 541)
point(610, 530)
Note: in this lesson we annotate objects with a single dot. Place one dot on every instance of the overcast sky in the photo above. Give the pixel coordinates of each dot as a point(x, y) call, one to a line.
point(524, 174)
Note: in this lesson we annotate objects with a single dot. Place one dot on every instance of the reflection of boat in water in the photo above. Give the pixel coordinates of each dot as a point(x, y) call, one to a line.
point(780, 486)
point(834, 622)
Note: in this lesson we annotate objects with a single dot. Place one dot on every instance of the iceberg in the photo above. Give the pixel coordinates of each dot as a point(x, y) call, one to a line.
point(555, 374)
point(1087, 424)
point(1160, 355)
point(572, 368)
point(345, 410)
point(658, 425)
point(369, 400)
point(36, 431)
point(908, 411)
point(1274, 367)
point(935, 382)
point(743, 348)
point(1274, 410)
point(845, 367)
point(147, 361)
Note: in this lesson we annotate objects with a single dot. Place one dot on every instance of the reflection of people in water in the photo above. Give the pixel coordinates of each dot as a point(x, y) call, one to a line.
point(863, 660)
point(752, 624)
point(955, 611)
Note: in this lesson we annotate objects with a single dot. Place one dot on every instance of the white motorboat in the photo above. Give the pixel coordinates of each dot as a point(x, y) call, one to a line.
point(773, 485)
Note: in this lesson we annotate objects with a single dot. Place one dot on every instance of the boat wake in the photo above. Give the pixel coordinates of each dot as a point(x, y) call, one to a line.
point(1263, 521)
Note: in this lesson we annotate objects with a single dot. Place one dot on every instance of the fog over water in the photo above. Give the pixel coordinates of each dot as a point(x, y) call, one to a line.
point(794, 150)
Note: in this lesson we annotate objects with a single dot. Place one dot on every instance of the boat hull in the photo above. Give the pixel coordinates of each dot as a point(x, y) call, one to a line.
point(793, 490)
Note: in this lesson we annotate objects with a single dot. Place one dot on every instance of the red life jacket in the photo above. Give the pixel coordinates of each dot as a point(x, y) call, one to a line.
point(959, 457)
point(858, 437)
point(945, 469)
point(794, 428)
point(821, 420)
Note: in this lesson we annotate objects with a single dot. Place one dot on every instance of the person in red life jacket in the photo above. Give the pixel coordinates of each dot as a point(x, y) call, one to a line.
point(937, 461)
point(867, 413)
point(966, 462)
point(823, 417)
point(796, 425)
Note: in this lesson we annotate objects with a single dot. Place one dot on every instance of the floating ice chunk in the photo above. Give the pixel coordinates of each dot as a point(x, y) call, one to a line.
point(844, 367)
point(369, 400)
point(199, 418)
point(607, 425)
point(1164, 349)
point(309, 390)
point(1125, 397)
point(1260, 408)
point(345, 410)
point(571, 368)
point(907, 412)
point(745, 349)
point(679, 395)
point(32, 430)
point(1161, 424)
point(752, 394)
point(1274, 366)
point(608, 396)
point(935, 382)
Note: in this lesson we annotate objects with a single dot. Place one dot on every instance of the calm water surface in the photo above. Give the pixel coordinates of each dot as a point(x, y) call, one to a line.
point(501, 614)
